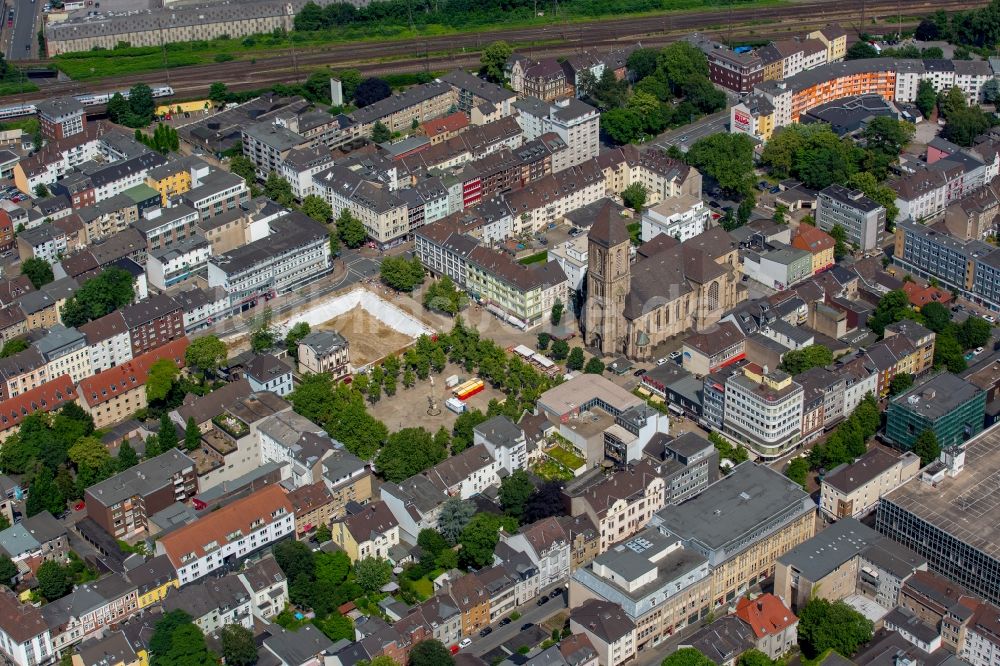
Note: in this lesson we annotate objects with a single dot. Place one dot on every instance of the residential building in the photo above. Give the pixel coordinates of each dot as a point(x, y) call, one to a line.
point(861, 218)
point(415, 503)
point(608, 629)
point(229, 534)
point(682, 217)
point(718, 346)
point(182, 261)
point(115, 394)
point(266, 372)
point(370, 532)
point(213, 603)
point(817, 243)
point(929, 514)
point(324, 351)
point(660, 585)
point(88, 609)
point(466, 474)
point(108, 341)
point(287, 437)
point(65, 351)
point(114, 649)
point(775, 627)
point(46, 242)
point(523, 295)
point(505, 442)
point(61, 117)
point(575, 122)
point(215, 193)
point(163, 227)
point(34, 540)
point(688, 463)
point(742, 524)
point(835, 39)
point(153, 579)
point(122, 504)
point(950, 407)
point(268, 587)
point(852, 490)
point(547, 545)
point(153, 322)
point(46, 397)
point(25, 639)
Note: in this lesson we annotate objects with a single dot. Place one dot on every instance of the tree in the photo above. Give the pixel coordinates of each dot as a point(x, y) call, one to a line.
point(900, 383)
point(514, 493)
point(12, 347)
point(948, 353)
point(294, 336)
point(926, 446)
point(622, 125)
point(974, 332)
point(127, 457)
point(206, 353)
point(89, 452)
point(141, 105)
point(44, 495)
point(98, 296)
point(888, 135)
point(480, 536)
point(890, 309)
point(555, 316)
point(192, 435)
point(218, 93)
point(494, 58)
point(263, 336)
point(402, 274)
point(756, 657)
point(444, 296)
point(278, 189)
point(798, 471)
point(317, 208)
point(936, 316)
point(380, 133)
point(877, 192)
point(926, 98)
point(430, 653)
point(824, 626)
point(560, 350)
point(238, 645)
point(408, 452)
point(371, 90)
point(8, 572)
point(118, 108)
point(454, 517)
point(642, 63)
point(41, 191)
point(38, 271)
point(813, 356)
point(927, 31)
point(840, 242)
point(243, 167)
point(167, 434)
point(861, 50)
point(295, 559)
point(682, 64)
point(965, 124)
point(634, 196)
point(462, 432)
point(160, 379)
point(951, 102)
point(594, 366)
point(371, 573)
point(53, 580)
point(350, 229)
point(544, 502)
point(991, 91)
point(728, 159)
point(575, 360)
point(687, 657)
point(543, 341)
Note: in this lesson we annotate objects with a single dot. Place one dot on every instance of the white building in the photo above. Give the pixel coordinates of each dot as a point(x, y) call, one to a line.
point(575, 122)
point(572, 258)
point(24, 637)
point(228, 534)
point(680, 217)
point(180, 261)
point(268, 373)
point(109, 342)
point(505, 441)
point(290, 438)
point(763, 410)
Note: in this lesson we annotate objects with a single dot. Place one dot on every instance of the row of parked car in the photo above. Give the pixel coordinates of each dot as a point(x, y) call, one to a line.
point(542, 600)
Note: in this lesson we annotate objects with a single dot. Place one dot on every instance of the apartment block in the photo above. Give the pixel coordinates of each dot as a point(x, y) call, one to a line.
point(153, 322)
point(852, 490)
point(861, 218)
point(61, 117)
point(763, 410)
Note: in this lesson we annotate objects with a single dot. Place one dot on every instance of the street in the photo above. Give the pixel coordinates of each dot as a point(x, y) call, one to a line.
point(529, 613)
point(22, 39)
point(684, 137)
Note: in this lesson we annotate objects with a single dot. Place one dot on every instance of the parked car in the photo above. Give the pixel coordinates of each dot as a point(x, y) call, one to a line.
point(486, 632)
point(555, 593)
point(674, 355)
point(990, 318)
point(640, 372)
point(979, 350)
point(504, 622)
point(774, 190)
point(542, 601)
point(466, 642)
point(527, 625)
point(79, 506)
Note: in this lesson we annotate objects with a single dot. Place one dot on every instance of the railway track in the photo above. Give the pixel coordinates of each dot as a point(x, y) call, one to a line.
point(461, 50)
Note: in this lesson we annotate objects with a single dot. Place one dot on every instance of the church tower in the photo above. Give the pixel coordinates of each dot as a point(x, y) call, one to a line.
point(608, 282)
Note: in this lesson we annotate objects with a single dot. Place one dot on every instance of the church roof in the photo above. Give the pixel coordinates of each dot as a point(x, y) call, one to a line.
point(608, 228)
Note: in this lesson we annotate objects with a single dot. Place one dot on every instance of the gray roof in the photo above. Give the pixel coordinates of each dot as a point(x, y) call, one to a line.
point(853, 198)
point(274, 136)
point(323, 342)
point(395, 103)
point(604, 619)
point(297, 647)
point(266, 367)
point(738, 504)
point(59, 106)
point(501, 431)
point(165, 217)
point(289, 232)
point(938, 396)
point(142, 479)
point(461, 79)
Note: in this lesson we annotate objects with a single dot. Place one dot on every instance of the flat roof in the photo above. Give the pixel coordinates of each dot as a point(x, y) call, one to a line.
point(583, 389)
point(968, 506)
point(938, 396)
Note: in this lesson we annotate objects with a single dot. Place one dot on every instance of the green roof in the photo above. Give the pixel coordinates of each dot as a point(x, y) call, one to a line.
point(141, 193)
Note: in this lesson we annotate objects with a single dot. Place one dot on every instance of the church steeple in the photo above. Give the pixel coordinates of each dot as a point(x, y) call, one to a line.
point(608, 278)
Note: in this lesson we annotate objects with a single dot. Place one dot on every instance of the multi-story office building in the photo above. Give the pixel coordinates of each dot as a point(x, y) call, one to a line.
point(950, 407)
point(763, 410)
point(122, 504)
point(741, 524)
point(660, 584)
point(861, 218)
point(524, 295)
point(296, 251)
point(162, 227)
point(971, 267)
point(215, 193)
point(933, 515)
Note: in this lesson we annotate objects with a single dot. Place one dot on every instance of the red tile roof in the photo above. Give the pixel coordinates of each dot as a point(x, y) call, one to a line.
point(234, 520)
point(766, 615)
point(49, 396)
point(921, 296)
point(812, 240)
point(452, 123)
point(121, 379)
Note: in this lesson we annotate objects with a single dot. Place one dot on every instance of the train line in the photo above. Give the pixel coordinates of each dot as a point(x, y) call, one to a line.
point(461, 50)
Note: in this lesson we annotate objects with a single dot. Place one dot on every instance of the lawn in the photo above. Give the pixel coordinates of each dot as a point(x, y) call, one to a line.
point(565, 457)
point(424, 587)
point(550, 470)
point(537, 258)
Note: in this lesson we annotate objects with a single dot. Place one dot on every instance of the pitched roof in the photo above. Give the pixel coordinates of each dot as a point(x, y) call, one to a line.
point(373, 520)
point(121, 379)
point(604, 619)
point(812, 240)
point(608, 228)
point(48, 397)
point(766, 614)
point(21, 622)
point(235, 520)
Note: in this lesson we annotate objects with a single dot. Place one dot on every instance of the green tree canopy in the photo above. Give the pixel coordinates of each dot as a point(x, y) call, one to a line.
point(408, 452)
point(900, 383)
point(480, 536)
point(926, 98)
point(8, 571)
point(937, 317)
point(278, 189)
point(160, 379)
point(206, 353)
point(53, 580)
point(514, 493)
point(687, 657)
point(111, 289)
point(494, 59)
point(38, 271)
point(727, 158)
point(430, 653)
point(634, 196)
point(824, 626)
point(371, 573)
point(926, 446)
point(402, 274)
point(454, 517)
point(974, 332)
point(812, 356)
point(317, 208)
point(238, 645)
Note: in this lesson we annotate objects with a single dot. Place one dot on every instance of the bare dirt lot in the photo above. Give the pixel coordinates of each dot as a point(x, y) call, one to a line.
point(370, 339)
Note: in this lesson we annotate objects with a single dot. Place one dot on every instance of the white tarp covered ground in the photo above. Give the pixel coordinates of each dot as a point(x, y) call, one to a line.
point(378, 307)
